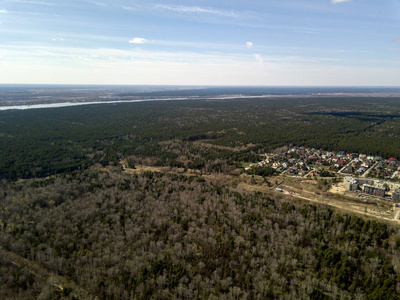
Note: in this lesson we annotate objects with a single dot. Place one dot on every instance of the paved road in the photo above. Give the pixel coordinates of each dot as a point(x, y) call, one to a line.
point(367, 170)
point(341, 170)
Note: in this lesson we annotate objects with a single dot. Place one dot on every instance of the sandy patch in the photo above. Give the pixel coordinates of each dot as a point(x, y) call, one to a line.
point(337, 189)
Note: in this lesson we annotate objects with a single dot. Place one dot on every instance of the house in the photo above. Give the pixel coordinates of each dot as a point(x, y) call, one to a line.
point(275, 165)
point(360, 170)
point(366, 164)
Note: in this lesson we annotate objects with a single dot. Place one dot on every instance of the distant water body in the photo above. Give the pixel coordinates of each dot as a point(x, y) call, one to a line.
point(66, 94)
point(69, 104)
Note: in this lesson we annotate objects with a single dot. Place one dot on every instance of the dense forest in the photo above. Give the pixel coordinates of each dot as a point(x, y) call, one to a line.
point(39, 143)
point(76, 224)
point(112, 235)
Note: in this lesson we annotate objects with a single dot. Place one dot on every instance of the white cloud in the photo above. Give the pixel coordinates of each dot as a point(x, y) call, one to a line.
point(2, 11)
point(340, 1)
point(137, 40)
point(249, 45)
point(197, 9)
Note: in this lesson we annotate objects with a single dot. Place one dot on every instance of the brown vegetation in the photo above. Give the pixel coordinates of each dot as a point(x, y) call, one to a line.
point(165, 235)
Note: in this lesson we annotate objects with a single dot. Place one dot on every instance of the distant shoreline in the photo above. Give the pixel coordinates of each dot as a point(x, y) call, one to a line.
point(70, 104)
point(61, 104)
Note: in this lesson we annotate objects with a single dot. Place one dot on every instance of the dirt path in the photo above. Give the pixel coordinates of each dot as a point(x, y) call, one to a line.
point(337, 189)
point(396, 217)
point(59, 282)
point(342, 207)
point(347, 206)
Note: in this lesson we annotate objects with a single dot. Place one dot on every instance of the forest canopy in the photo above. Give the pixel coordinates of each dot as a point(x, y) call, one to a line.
point(38, 143)
point(115, 236)
point(126, 201)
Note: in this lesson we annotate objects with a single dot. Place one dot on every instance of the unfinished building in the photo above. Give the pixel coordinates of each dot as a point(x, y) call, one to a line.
point(396, 196)
point(373, 190)
point(368, 186)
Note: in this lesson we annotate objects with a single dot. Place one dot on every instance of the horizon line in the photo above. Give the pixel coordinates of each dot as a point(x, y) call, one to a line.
point(198, 85)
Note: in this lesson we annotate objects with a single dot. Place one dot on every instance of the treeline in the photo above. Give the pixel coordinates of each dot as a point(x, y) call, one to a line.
point(261, 171)
point(160, 235)
point(38, 143)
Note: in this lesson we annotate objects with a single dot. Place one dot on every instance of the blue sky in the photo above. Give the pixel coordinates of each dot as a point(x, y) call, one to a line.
point(194, 42)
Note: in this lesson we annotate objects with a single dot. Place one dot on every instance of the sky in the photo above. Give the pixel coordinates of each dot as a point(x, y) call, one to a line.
point(201, 42)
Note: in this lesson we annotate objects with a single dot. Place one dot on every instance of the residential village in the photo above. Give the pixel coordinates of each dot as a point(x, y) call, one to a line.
point(363, 173)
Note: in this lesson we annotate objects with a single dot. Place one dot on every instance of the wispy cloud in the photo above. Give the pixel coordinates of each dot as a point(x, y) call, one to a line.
point(258, 58)
point(98, 3)
point(2, 11)
point(32, 2)
point(249, 45)
point(199, 10)
point(340, 1)
point(69, 35)
point(135, 66)
point(58, 55)
point(137, 40)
